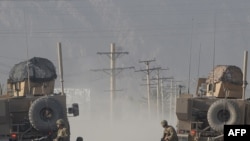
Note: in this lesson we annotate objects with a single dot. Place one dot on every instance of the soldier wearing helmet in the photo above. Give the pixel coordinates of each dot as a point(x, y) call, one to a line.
point(62, 132)
point(169, 133)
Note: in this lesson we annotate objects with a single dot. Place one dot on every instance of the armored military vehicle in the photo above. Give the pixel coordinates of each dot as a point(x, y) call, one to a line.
point(29, 109)
point(219, 100)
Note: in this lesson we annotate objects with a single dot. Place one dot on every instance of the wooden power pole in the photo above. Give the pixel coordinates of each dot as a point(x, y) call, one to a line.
point(148, 71)
point(113, 54)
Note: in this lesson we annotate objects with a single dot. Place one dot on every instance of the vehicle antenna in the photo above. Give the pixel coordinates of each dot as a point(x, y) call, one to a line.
point(214, 53)
point(190, 57)
point(244, 74)
point(60, 64)
point(27, 51)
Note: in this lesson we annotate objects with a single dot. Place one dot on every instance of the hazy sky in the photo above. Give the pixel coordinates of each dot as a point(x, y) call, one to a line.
point(178, 34)
point(167, 31)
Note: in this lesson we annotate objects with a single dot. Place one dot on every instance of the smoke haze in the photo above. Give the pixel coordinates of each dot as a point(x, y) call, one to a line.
point(178, 34)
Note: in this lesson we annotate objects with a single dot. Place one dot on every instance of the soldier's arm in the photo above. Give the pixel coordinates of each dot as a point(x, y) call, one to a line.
point(164, 136)
point(171, 133)
point(65, 132)
point(66, 135)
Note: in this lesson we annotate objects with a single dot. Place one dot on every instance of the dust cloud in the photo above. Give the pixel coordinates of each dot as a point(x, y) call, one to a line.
point(94, 130)
point(131, 122)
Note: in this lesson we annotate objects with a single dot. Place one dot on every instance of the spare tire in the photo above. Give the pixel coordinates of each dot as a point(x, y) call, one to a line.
point(44, 112)
point(223, 112)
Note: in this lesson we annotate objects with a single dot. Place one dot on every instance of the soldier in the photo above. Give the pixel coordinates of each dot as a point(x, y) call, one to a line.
point(169, 133)
point(62, 132)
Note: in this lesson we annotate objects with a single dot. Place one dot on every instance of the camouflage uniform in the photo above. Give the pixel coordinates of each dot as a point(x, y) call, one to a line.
point(62, 132)
point(169, 133)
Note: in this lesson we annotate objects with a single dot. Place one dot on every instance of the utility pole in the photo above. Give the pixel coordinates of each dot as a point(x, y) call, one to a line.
point(158, 90)
point(113, 54)
point(173, 97)
point(162, 94)
point(148, 70)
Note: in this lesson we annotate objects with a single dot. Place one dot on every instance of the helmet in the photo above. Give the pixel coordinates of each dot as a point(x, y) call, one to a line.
point(60, 122)
point(164, 123)
point(79, 139)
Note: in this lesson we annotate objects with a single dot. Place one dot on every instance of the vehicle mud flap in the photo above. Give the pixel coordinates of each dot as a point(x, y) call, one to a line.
point(223, 112)
point(44, 112)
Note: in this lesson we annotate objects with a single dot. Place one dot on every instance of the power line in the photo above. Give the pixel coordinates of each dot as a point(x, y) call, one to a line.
point(148, 70)
point(113, 54)
point(159, 87)
point(38, 0)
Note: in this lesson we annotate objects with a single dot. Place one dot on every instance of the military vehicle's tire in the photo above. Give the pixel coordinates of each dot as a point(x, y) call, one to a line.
point(223, 112)
point(44, 112)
